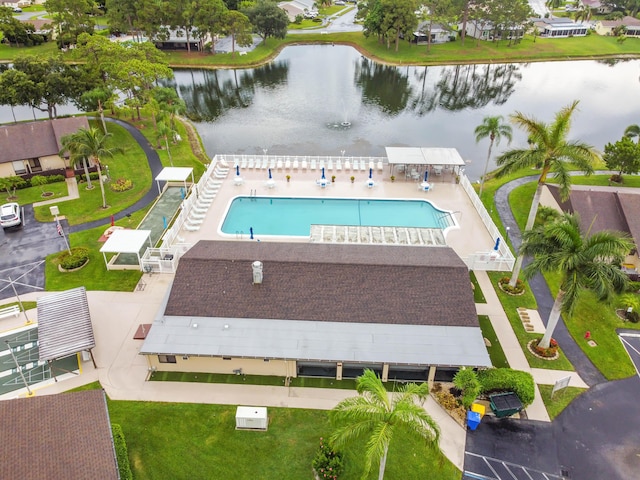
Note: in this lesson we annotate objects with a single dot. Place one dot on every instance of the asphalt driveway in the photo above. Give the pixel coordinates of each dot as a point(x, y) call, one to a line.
point(22, 253)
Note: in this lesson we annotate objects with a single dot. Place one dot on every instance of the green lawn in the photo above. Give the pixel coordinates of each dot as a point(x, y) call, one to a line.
point(196, 441)
point(34, 194)
point(510, 304)
point(498, 358)
point(94, 276)
point(131, 164)
point(597, 317)
point(478, 296)
point(25, 305)
point(590, 47)
point(561, 399)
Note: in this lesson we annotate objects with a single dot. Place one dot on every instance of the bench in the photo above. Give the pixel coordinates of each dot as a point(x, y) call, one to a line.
point(12, 311)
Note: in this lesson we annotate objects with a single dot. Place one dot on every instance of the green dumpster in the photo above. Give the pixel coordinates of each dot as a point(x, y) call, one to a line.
point(505, 404)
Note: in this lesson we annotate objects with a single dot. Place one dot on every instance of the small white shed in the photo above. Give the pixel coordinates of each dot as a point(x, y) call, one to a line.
point(251, 418)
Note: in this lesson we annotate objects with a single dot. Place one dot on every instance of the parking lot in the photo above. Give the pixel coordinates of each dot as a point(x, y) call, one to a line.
point(480, 467)
point(22, 253)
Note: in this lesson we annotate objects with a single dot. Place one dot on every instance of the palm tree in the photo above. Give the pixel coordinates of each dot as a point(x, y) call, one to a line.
point(633, 131)
point(493, 128)
point(69, 144)
point(91, 143)
point(590, 262)
point(550, 151)
point(377, 415)
point(164, 131)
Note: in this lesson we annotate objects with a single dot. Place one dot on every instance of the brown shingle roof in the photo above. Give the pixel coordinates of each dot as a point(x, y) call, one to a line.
point(57, 436)
point(598, 210)
point(630, 204)
point(36, 139)
point(324, 282)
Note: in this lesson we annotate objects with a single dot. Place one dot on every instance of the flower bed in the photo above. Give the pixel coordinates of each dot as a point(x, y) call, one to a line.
point(503, 284)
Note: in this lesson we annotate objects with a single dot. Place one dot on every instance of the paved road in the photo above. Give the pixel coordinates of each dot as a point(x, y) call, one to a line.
point(596, 437)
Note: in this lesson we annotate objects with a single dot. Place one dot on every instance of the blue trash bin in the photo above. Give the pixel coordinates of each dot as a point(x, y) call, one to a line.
point(473, 419)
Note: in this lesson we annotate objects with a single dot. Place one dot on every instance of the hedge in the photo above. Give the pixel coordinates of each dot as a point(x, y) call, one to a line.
point(122, 454)
point(507, 379)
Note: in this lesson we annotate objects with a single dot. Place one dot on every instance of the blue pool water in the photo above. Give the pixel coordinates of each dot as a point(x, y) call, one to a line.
point(294, 216)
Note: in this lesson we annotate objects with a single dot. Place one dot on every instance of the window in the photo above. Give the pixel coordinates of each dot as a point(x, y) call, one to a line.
point(167, 358)
point(34, 165)
point(226, 358)
point(19, 168)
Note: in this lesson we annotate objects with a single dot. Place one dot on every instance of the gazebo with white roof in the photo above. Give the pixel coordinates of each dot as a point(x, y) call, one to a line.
point(174, 174)
point(125, 241)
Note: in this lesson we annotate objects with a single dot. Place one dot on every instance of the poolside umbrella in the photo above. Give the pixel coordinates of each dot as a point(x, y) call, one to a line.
point(269, 173)
point(497, 244)
point(426, 175)
point(238, 170)
point(371, 173)
point(323, 173)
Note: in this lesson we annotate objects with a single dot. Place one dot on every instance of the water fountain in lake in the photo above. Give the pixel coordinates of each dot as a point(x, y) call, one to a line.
point(345, 124)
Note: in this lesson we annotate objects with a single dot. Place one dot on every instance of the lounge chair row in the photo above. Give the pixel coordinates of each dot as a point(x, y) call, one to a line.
point(313, 164)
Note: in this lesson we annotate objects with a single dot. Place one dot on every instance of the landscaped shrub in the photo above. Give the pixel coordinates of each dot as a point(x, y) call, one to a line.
point(122, 454)
point(328, 462)
point(54, 178)
point(517, 290)
point(450, 404)
point(466, 379)
point(78, 257)
point(122, 185)
point(508, 380)
point(92, 176)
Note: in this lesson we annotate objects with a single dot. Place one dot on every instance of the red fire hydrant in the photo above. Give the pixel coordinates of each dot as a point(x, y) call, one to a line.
point(587, 334)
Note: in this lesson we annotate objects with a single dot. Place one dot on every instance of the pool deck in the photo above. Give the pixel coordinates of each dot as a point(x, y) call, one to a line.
point(471, 237)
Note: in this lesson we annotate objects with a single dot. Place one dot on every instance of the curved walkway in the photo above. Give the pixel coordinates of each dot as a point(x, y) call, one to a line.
point(154, 164)
point(587, 370)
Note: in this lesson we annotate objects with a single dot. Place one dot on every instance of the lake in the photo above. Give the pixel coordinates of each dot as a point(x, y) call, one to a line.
point(297, 103)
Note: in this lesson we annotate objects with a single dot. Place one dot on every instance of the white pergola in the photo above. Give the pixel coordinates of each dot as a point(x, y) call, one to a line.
point(126, 241)
point(445, 157)
point(174, 174)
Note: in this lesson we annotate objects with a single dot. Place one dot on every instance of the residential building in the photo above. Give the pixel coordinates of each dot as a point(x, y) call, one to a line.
point(607, 27)
point(32, 148)
point(313, 309)
point(559, 27)
point(485, 30)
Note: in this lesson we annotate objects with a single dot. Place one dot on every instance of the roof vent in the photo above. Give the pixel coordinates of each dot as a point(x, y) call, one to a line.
point(257, 272)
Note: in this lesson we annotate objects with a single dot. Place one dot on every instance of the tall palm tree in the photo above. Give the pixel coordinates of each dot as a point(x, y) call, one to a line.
point(377, 415)
point(586, 262)
point(91, 143)
point(551, 151)
point(493, 128)
point(633, 131)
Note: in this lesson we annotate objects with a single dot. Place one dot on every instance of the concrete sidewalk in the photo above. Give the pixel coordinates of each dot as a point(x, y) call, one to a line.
point(72, 189)
point(513, 351)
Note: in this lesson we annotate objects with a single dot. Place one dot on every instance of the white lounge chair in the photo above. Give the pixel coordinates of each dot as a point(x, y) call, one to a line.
point(313, 164)
point(363, 166)
point(250, 162)
point(304, 165)
point(191, 228)
point(372, 165)
point(330, 165)
point(279, 164)
point(265, 163)
point(380, 166)
point(437, 169)
point(338, 165)
point(287, 164)
point(296, 164)
point(272, 164)
point(321, 164)
point(347, 165)
point(243, 163)
point(223, 162)
point(195, 219)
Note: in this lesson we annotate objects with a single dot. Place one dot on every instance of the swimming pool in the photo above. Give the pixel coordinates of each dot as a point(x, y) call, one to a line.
point(289, 216)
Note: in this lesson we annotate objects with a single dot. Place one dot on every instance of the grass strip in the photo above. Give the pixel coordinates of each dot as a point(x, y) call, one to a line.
point(498, 358)
point(561, 399)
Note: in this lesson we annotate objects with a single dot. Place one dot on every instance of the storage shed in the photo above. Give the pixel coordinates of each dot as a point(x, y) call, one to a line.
point(252, 418)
